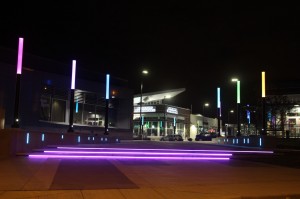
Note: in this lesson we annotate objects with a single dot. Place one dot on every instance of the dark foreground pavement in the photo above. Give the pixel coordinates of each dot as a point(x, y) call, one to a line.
point(245, 176)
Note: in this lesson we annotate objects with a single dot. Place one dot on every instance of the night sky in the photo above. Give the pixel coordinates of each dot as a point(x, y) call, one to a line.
point(197, 45)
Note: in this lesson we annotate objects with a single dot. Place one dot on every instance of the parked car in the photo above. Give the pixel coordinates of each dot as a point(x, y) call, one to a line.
point(205, 136)
point(172, 138)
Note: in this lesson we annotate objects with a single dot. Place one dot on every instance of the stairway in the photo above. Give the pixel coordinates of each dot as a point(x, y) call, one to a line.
point(129, 153)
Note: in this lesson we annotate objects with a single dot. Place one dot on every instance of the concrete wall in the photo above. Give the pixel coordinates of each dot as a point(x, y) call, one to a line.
point(248, 141)
point(14, 141)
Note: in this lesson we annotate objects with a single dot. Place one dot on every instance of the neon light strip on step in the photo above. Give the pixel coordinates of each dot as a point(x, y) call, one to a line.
point(184, 150)
point(137, 153)
point(128, 157)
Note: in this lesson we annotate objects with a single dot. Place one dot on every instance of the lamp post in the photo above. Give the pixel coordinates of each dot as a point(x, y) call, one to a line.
point(231, 111)
point(228, 118)
point(238, 104)
point(72, 96)
point(107, 91)
point(263, 95)
point(144, 72)
point(204, 105)
point(219, 110)
point(19, 72)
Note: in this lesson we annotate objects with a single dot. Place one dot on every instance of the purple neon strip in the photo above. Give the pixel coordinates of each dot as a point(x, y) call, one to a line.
point(128, 157)
point(20, 56)
point(196, 150)
point(73, 74)
point(137, 153)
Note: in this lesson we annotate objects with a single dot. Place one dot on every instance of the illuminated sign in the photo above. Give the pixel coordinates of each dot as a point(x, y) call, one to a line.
point(147, 109)
point(172, 110)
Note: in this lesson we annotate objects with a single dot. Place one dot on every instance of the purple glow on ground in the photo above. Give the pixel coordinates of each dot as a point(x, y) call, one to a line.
point(128, 157)
point(137, 153)
point(183, 150)
point(20, 56)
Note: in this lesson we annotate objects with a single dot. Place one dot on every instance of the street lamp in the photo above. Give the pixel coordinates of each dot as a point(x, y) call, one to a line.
point(204, 105)
point(238, 100)
point(144, 72)
point(228, 119)
point(231, 111)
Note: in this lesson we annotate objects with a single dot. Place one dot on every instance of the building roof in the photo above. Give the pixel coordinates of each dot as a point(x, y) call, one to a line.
point(156, 96)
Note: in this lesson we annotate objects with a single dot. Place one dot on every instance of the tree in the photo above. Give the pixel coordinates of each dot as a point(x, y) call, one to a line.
point(278, 106)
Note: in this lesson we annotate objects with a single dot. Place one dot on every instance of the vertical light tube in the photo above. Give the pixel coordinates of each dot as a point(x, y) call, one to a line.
point(73, 74)
point(219, 101)
point(77, 106)
point(27, 138)
point(20, 56)
point(238, 92)
point(107, 87)
point(263, 84)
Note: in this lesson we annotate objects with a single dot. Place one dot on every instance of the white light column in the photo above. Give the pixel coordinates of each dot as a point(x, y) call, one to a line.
point(72, 96)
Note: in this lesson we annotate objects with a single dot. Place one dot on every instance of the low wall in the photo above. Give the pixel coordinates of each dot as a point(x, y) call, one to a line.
point(268, 142)
point(13, 141)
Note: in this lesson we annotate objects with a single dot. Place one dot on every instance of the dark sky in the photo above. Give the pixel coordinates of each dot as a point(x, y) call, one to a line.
point(197, 45)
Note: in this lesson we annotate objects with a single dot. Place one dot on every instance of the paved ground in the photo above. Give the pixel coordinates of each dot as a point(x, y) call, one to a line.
point(244, 176)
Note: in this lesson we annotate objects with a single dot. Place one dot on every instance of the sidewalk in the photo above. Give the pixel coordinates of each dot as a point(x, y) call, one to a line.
point(22, 177)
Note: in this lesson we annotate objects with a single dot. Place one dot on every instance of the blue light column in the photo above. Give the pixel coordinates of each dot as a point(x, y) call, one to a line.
point(106, 105)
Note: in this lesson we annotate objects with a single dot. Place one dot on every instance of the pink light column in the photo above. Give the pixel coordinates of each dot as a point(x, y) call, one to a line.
point(19, 72)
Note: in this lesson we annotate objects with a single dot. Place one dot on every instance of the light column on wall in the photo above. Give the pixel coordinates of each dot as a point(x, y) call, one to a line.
point(106, 105)
point(263, 95)
point(219, 110)
point(72, 96)
point(18, 82)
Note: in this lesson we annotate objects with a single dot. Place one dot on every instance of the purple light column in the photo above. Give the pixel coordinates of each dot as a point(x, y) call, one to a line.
point(17, 96)
point(219, 110)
